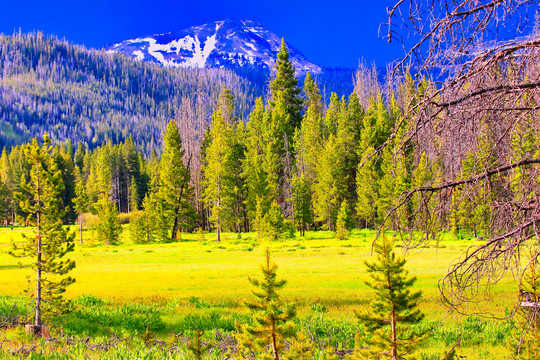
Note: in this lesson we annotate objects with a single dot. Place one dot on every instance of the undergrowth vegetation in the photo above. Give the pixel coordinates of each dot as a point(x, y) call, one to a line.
point(147, 301)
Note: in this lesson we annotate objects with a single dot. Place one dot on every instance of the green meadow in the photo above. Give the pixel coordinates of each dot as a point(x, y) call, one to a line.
point(197, 282)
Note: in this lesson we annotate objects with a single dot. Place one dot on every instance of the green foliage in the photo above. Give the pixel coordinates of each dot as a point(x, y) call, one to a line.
point(220, 183)
point(47, 248)
point(342, 223)
point(272, 318)
point(472, 205)
point(92, 96)
point(174, 188)
point(301, 347)
point(196, 346)
point(108, 229)
point(81, 201)
point(151, 224)
point(286, 84)
point(375, 130)
point(303, 213)
point(325, 192)
point(97, 317)
point(394, 309)
point(274, 225)
point(525, 342)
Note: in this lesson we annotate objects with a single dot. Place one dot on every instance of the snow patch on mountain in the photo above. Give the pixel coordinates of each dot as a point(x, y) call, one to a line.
point(222, 44)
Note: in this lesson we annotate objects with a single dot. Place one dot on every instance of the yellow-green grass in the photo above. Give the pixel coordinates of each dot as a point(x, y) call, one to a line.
point(318, 268)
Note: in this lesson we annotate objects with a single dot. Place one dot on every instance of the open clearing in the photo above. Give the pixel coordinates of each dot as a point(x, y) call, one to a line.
point(320, 270)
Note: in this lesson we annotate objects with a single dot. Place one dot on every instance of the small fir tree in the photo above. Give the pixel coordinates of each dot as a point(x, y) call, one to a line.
point(301, 347)
point(47, 249)
point(359, 350)
point(274, 224)
point(330, 353)
point(395, 307)
point(108, 229)
point(137, 227)
point(272, 318)
point(197, 347)
point(342, 222)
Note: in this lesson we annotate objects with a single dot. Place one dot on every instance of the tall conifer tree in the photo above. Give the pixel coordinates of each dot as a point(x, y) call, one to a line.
point(219, 187)
point(175, 189)
point(286, 84)
point(43, 203)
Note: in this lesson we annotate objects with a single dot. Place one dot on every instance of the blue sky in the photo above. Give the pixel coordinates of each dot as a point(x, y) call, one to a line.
point(330, 33)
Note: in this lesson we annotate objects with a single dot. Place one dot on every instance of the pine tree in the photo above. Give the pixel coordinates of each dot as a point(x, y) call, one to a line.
point(219, 184)
point(175, 189)
point(271, 316)
point(303, 213)
point(42, 201)
point(425, 209)
point(326, 200)
point(342, 222)
point(375, 131)
point(79, 155)
point(395, 307)
point(254, 170)
point(346, 141)
point(359, 352)
point(137, 227)
point(274, 224)
point(301, 347)
point(133, 192)
point(331, 118)
point(330, 353)
point(286, 84)
point(80, 202)
point(196, 346)
point(108, 228)
point(310, 141)
point(312, 94)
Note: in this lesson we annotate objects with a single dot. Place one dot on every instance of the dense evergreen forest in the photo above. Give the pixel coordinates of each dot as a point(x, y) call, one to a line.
point(296, 163)
point(293, 163)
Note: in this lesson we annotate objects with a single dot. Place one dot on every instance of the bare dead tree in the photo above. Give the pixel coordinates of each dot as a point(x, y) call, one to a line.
point(477, 119)
point(366, 83)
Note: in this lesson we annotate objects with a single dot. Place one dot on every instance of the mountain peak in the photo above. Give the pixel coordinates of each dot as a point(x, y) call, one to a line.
point(229, 43)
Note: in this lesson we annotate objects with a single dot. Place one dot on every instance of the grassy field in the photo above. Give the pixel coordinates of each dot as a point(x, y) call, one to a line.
point(198, 276)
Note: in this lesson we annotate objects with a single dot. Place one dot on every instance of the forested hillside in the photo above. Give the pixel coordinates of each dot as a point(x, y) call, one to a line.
point(91, 96)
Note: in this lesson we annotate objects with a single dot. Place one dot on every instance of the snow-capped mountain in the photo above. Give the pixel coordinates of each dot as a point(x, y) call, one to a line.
point(222, 44)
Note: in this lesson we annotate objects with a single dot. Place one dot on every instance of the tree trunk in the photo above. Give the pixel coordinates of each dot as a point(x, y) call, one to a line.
point(175, 226)
point(274, 344)
point(37, 320)
point(80, 226)
point(218, 230)
point(177, 208)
